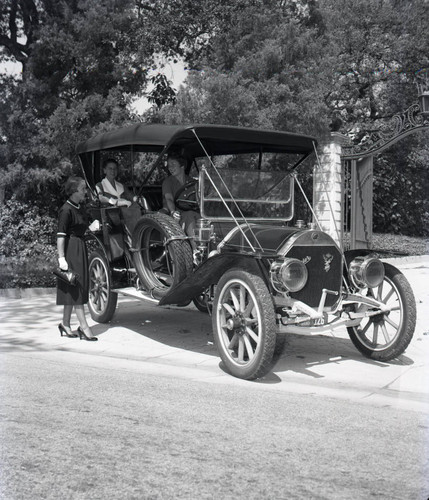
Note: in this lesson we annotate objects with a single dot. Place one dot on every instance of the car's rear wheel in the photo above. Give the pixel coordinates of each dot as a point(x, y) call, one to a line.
point(201, 302)
point(385, 336)
point(102, 301)
point(164, 255)
point(244, 324)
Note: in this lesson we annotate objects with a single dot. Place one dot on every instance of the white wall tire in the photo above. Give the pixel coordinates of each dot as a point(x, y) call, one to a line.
point(102, 301)
point(244, 326)
point(386, 336)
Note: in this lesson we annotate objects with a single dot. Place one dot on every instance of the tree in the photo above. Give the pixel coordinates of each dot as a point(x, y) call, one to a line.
point(82, 63)
point(376, 48)
point(259, 71)
point(315, 66)
point(302, 65)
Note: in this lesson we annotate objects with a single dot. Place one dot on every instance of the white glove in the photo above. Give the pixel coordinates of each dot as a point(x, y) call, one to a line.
point(94, 226)
point(124, 203)
point(176, 215)
point(63, 264)
point(112, 201)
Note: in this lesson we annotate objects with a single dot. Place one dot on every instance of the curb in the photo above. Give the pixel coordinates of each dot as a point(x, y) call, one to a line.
point(25, 293)
point(409, 259)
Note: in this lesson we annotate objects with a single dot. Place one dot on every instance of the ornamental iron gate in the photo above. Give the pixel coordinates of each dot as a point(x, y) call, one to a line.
point(358, 173)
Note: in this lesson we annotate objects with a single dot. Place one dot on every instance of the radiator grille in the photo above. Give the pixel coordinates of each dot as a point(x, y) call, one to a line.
point(324, 265)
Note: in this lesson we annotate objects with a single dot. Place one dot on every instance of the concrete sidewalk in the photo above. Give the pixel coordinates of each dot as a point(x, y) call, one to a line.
point(178, 342)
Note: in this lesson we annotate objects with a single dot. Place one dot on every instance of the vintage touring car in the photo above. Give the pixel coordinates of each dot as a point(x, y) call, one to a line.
point(258, 272)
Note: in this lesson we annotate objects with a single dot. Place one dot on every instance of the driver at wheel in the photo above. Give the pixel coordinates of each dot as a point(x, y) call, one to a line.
point(170, 187)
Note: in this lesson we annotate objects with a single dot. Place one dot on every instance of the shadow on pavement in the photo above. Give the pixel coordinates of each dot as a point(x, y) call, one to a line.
point(302, 353)
point(32, 325)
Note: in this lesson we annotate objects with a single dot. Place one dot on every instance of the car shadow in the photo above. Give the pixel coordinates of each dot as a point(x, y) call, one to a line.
point(304, 354)
point(189, 329)
point(176, 327)
point(30, 324)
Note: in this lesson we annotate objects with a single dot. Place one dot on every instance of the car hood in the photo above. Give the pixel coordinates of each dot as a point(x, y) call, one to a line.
point(269, 239)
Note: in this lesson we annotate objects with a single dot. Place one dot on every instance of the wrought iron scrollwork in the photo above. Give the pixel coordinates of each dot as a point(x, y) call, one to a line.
point(399, 126)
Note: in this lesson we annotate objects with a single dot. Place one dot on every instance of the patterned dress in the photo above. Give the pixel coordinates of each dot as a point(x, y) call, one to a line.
point(72, 223)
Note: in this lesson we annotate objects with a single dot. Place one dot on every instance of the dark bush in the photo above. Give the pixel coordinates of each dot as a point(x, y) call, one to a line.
point(25, 232)
point(401, 184)
point(27, 249)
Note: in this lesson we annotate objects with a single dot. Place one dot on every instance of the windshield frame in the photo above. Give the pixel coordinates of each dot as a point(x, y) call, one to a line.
point(221, 199)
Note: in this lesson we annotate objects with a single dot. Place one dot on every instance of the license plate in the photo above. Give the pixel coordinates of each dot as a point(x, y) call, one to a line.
point(316, 321)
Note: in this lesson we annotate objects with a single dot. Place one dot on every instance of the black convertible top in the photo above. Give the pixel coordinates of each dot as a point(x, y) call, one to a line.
point(217, 139)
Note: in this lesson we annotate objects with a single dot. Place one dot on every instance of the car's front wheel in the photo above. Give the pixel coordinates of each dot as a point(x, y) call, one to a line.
point(386, 335)
point(244, 324)
point(102, 301)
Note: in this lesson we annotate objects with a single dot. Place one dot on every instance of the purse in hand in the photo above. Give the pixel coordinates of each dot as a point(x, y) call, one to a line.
point(69, 276)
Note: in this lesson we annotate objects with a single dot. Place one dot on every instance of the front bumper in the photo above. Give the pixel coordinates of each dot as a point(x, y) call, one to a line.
point(294, 316)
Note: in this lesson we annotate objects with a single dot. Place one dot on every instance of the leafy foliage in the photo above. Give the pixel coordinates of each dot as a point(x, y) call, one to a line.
point(24, 231)
point(301, 65)
point(27, 249)
point(259, 72)
point(401, 204)
point(311, 66)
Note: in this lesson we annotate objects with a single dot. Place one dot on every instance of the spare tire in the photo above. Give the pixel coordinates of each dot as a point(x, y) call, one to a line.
point(163, 256)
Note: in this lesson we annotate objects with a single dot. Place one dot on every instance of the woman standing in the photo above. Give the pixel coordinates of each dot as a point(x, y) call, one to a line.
point(72, 255)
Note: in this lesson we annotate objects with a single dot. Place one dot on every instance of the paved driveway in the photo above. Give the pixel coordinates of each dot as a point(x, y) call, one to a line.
point(178, 342)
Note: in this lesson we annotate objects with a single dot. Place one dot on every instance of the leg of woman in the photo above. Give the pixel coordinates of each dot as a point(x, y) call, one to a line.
point(80, 313)
point(66, 319)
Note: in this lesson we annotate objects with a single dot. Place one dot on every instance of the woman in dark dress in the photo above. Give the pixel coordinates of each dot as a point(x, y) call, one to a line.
point(72, 255)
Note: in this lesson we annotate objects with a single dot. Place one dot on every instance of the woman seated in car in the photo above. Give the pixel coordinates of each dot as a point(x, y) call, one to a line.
point(110, 190)
point(170, 187)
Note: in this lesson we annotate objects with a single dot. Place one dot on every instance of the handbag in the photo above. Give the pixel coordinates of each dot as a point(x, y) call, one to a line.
point(69, 276)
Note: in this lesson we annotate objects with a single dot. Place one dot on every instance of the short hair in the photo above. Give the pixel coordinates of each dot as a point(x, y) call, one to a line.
point(178, 158)
point(109, 160)
point(72, 184)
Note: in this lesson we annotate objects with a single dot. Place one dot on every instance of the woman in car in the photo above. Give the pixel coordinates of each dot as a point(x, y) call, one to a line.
point(170, 187)
point(110, 190)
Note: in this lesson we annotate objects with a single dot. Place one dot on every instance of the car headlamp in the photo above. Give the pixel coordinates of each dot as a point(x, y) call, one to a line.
point(289, 275)
point(366, 272)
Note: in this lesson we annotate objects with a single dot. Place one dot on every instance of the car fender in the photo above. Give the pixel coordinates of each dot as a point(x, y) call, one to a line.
point(349, 255)
point(209, 273)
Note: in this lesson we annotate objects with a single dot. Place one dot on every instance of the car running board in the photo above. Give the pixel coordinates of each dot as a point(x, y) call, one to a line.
point(137, 294)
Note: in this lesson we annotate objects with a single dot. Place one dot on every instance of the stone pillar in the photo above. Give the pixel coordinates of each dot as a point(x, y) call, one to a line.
point(328, 187)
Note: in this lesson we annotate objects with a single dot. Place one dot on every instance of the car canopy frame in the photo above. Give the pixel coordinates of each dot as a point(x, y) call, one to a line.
point(191, 141)
point(217, 139)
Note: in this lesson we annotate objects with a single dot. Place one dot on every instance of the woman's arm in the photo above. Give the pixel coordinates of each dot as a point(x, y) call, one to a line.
point(61, 248)
point(106, 197)
point(169, 200)
point(167, 194)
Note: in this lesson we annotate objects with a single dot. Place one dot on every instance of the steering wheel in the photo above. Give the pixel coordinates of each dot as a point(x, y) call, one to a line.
point(186, 196)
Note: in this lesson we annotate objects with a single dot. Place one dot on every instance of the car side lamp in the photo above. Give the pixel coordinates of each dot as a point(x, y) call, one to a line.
point(366, 272)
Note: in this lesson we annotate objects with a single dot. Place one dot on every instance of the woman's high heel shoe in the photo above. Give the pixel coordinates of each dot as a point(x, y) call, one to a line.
point(82, 335)
point(64, 333)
